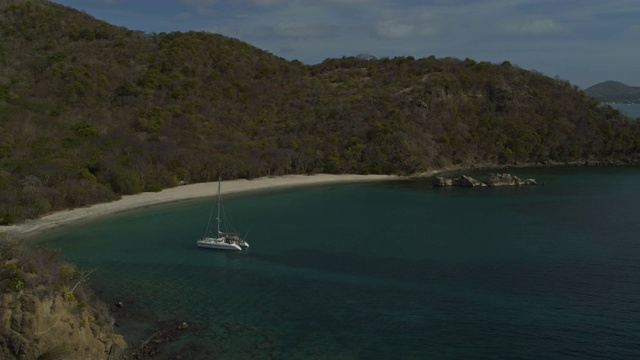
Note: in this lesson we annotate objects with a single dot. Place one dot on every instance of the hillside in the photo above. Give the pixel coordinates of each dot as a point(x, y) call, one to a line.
point(91, 111)
point(613, 91)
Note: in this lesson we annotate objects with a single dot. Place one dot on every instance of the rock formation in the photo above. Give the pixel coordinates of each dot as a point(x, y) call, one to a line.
point(53, 328)
point(442, 181)
point(508, 180)
point(467, 181)
point(47, 312)
point(492, 180)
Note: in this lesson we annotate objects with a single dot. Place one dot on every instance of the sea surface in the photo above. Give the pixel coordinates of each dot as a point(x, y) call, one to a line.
point(631, 110)
point(384, 270)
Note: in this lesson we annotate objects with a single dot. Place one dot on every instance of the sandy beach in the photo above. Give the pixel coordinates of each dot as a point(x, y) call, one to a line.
point(184, 192)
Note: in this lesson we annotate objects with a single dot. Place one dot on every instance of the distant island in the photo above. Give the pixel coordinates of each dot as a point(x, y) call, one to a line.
point(614, 92)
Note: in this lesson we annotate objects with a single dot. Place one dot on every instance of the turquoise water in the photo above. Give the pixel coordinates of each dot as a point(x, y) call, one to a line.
point(391, 270)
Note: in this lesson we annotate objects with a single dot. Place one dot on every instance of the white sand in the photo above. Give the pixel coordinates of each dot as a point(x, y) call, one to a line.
point(179, 193)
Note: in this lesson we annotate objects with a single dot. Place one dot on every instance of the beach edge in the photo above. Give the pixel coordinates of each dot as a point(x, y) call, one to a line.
point(179, 193)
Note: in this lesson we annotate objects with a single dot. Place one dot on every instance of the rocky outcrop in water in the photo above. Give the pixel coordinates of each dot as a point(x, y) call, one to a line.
point(467, 181)
point(492, 180)
point(508, 180)
point(153, 345)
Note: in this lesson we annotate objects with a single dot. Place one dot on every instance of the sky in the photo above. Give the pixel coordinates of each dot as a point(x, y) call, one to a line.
point(582, 41)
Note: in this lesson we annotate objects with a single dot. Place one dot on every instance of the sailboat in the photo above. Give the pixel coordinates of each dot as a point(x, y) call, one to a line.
point(224, 240)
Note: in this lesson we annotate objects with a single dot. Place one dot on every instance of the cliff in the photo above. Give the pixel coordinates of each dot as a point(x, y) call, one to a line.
point(47, 313)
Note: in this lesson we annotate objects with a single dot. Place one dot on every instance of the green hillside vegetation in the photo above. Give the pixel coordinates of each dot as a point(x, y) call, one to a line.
point(614, 91)
point(91, 111)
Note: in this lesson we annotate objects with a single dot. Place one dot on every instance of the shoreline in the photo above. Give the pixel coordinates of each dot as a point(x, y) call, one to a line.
point(209, 189)
point(179, 193)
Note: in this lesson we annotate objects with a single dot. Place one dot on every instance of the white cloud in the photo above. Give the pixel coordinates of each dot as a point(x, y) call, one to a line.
point(393, 29)
point(395, 25)
point(535, 26)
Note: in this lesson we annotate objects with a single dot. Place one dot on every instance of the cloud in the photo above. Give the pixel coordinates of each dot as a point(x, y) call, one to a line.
point(234, 3)
point(533, 26)
point(286, 50)
point(265, 3)
point(108, 2)
point(297, 31)
point(183, 16)
point(397, 25)
point(394, 29)
point(199, 2)
point(353, 2)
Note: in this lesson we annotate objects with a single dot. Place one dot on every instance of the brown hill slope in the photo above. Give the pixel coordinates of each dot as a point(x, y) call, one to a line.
point(90, 111)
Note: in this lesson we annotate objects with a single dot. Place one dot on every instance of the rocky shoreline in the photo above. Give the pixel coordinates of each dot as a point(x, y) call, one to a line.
point(492, 180)
point(494, 167)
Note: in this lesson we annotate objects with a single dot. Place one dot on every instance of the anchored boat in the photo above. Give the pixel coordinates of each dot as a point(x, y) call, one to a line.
point(224, 240)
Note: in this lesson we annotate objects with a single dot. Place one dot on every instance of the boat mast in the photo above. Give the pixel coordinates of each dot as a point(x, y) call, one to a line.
point(219, 198)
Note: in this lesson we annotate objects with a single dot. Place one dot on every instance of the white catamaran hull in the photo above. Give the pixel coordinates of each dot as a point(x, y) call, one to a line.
point(217, 244)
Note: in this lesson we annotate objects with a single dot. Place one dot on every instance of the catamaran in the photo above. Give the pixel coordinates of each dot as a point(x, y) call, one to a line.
point(224, 240)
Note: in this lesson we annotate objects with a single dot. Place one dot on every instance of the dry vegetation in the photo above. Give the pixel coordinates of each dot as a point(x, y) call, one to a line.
point(47, 311)
point(45, 274)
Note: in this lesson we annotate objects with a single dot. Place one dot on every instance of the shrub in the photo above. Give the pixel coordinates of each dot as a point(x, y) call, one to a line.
point(66, 271)
point(124, 181)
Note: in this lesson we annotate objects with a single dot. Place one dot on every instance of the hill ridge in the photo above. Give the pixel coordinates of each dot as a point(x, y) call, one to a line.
point(91, 111)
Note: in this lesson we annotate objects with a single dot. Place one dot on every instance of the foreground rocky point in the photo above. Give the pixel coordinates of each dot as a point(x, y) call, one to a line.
point(53, 328)
point(46, 312)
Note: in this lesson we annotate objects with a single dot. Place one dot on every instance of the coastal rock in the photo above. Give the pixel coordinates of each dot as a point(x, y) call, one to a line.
point(508, 180)
point(463, 181)
point(169, 333)
point(53, 327)
point(442, 181)
point(467, 181)
point(492, 180)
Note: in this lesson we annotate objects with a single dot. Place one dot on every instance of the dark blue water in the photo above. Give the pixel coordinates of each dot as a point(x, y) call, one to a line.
point(391, 270)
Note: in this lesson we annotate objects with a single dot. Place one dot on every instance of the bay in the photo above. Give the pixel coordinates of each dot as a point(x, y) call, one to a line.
point(385, 270)
point(631, 110)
